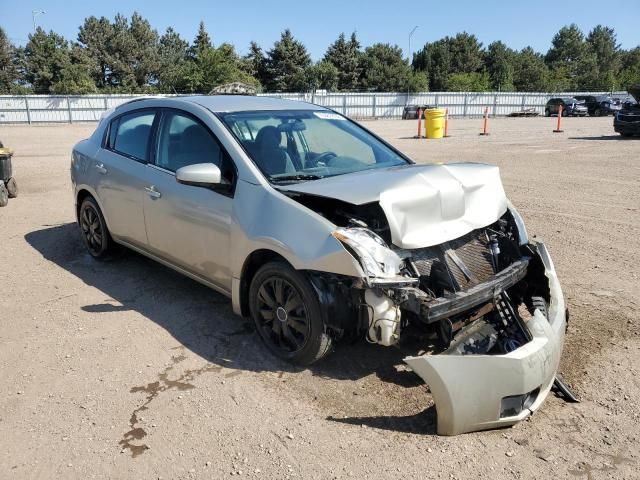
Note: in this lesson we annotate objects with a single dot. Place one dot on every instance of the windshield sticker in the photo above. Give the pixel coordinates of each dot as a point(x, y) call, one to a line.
point(328, 116)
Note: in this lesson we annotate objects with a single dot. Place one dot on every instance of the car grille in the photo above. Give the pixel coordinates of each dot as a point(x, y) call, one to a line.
point(472, 250)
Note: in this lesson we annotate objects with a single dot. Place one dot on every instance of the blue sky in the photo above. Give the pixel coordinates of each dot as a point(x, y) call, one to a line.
point(318, 23)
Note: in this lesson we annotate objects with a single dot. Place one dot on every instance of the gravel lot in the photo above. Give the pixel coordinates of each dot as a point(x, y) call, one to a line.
point(127, 370)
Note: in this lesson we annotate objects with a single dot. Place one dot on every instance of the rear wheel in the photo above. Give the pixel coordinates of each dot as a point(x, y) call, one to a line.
point(564, 113)
point(287, 315)
point(547, 112)
point(12, 188)
point(95, 234)
point(597, 112)
point(4, 195)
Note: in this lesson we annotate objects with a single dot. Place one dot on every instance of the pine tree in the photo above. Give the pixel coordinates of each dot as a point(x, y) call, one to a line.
point(286, 64)
point(345, 56)
point(201, 43)
point(9, 73)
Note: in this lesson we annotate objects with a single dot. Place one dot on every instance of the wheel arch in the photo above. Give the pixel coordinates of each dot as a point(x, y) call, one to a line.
point(251, 265)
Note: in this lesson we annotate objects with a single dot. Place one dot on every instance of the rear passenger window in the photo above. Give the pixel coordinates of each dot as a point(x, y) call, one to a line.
point(130, 134)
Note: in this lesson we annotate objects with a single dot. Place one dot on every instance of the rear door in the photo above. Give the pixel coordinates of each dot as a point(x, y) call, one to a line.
point(186, 225)
point(121, 167)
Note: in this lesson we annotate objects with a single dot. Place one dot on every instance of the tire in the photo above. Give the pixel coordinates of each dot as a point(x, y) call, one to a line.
point(597, 112)
point(4, 195)
point(12, 187)
point(94, 231)
point(547, 112)
point(287, 314)
point(564, 113)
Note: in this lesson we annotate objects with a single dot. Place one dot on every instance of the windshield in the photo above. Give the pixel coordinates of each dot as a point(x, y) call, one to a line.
point(299, 145)
point(570, 100)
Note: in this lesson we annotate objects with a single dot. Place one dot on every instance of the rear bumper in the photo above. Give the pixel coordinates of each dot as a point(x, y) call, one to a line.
point(468, 390)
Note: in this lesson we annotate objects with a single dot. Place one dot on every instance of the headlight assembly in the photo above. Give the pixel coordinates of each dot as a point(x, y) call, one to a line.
point(375, 257)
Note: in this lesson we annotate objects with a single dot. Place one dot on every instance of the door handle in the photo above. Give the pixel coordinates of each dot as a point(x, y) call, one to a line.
point(101, 169)
point(152, 192)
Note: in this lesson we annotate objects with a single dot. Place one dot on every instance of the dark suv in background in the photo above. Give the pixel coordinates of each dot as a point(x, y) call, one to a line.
point(599, 105)
point(570, 106)
point(627, 121)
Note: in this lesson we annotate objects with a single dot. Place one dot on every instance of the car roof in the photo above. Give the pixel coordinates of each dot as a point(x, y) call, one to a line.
point(242, 103)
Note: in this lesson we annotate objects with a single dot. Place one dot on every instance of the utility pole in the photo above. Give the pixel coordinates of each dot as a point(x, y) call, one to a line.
point(409, 58)
point(34, 14)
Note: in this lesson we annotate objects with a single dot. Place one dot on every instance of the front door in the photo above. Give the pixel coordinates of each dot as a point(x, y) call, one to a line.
point(189, 226)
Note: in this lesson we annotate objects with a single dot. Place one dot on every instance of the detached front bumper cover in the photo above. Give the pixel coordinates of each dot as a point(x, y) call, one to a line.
point(479, 392)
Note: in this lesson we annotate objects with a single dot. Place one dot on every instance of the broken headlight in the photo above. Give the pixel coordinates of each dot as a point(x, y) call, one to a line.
point(376, 258)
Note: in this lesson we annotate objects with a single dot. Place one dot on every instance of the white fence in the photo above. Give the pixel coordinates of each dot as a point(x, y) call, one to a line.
point(89, 108)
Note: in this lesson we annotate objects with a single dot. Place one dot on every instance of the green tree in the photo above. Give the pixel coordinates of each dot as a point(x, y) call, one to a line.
point(568, 59)
point(324, 75)
point(435, 60)
point(530, 72)
point(605, 52)
point(45, 57)
point(201, 43)
point(384, 68)
point(442, 58)
point(173, 76)
point(286, 65)
point(219, 66)
point(75, 77)
point(345, 56)
point(468, 82)
point(630, 72)
point(9, 73)
point(467, 55)
point(254, 63)
point(499, 61)
point(95, 36)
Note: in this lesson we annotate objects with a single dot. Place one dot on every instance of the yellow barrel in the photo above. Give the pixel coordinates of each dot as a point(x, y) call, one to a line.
point(434, 122)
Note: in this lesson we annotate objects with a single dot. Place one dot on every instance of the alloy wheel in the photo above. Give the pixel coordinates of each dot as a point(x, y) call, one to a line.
point(282, 314)
point(92, 229)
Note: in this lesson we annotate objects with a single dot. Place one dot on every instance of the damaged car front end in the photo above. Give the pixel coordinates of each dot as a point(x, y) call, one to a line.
point(489, 297)
point(439, 250)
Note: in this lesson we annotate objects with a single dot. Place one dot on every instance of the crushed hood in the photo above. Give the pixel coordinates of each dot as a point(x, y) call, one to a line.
point(425, 205)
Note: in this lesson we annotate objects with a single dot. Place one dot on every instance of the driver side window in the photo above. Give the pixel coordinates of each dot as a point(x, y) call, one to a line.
point(184, 141)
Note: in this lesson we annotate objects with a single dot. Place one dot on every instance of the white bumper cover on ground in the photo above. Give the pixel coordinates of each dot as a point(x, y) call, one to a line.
point(468, 389)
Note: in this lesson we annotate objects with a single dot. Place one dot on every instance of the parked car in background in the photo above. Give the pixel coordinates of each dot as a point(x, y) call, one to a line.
point(410, 112)
point(570, 106)
point(627, 121)
point(600, 105)
point(318, 230)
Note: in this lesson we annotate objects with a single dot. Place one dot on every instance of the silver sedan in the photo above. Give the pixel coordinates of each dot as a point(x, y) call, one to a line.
point(319, 230)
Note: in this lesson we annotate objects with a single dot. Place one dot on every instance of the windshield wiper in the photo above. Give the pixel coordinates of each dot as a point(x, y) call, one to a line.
point(297, 176)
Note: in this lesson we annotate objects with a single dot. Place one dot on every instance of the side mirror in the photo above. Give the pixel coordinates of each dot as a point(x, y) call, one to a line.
point(199, 175)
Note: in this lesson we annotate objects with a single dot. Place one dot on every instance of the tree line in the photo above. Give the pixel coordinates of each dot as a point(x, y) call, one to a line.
point(127, 55)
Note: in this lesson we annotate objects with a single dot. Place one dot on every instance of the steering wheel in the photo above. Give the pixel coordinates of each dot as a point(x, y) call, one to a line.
point(324, 156)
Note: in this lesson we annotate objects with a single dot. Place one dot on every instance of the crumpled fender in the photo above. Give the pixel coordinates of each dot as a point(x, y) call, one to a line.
point(468, 389)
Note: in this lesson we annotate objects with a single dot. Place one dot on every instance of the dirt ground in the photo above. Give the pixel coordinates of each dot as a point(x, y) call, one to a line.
point(126, 369)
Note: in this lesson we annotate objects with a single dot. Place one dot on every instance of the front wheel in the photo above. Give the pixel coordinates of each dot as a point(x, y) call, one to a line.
point(287, 315)
point(547, 112)
point(95, 234)
point(598, 112)
point(12, 187)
